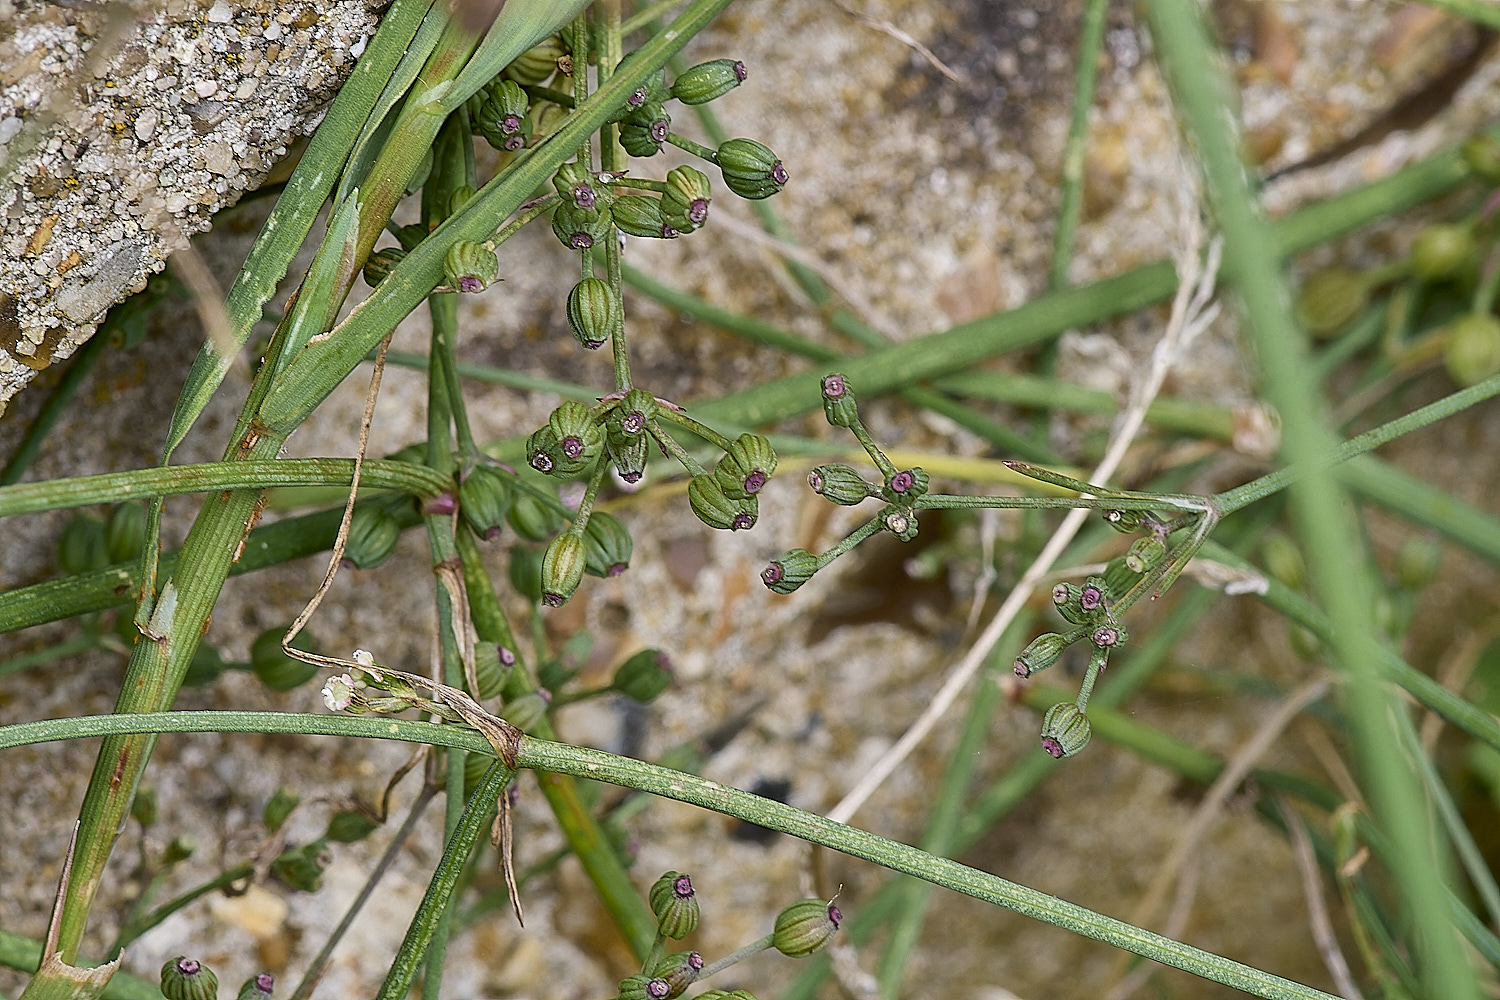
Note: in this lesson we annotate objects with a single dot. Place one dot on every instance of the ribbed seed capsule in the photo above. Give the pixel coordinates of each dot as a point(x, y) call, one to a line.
point(708, 81)
point(594, 313)
point(274, 668)
point(607, 544)
point(1145, 554)
point(644, 676)
point(579, 438)
point(642, 987)
point(1065, 730)
point(580, 228)
point(125, 532)
point(542, 452)
point(185, 978)
point(533, 519)
point(804, 927)
point(900, 522)
point(643, 131)
point(485, 497)
point(381, 263)
point(498, 114)
point(1472, 353)
point(906, 484)
point(680, 969)
point(579, 186)
point(373, 534)
point(1125, 521)
point(840, 484)
point(538, 63)
point(629, 454)
point(746, 467)
point(1329, 299)
point(790, 571)
point(838, 401)
point(684, 204)
point(1043, 651)
point(675, 904)
point(562, 569)
point(750, 169)
point(258, 987)
point(527, 710)
point(470, 266)
point(710, 505)
point(1068, 599)
point(638, 215)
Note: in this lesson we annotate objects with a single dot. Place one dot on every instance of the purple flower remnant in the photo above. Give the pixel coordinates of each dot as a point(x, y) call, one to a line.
point(631, 477)
point(634, 422)
point(754, 482)
point(779, 174)
point(668, 233)
point(470, 284)
point(1054, 749)
point(1092, 598)
point(698, 211)
point(682, 887)
point(1106, 636)
point(1021, 669)
point(616, 569)
point(507, 658)
point(553, 600)
point(833, 386)
point(740, 72)
point(572, 446)
point(510, 124)
point(638, 97)
point(580, 240)
point(742, 521)
point(695, 961)
point(440, 505)
point(584, 197)
point(188, 967)
point(659, 133)
point(903, 481)
point(834, 916)
point(815, 480)
point(265, 982)
point(514, 142)
point(657, 989)
point(1060, 594)
point(541, 462)
point(772, 574)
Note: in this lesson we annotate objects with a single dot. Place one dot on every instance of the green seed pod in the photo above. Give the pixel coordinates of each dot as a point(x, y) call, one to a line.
point(373, 534)
point(838, 401)
point(653, 88)
point(562, 569)
point(470, 266)
point(644, 676)
point(680, 970)
point(1145, 553)
point(580, 187)
point(1068, 599)
point(638, 215)
point(490, 669)
point(675, 903)
point(499, 115)
point(637, 409)
point(187, 979)
point(1482, 155)
point(1443, 251)
point(275, 669)
point(143, 808)
point(278, 807)
point(257, 987)
point(1283, 559)
point(1417, 562)
point(1109, 636)
point(527, 710)
point(750, 169)
point(460, 197)
point(485, 497)
point(1065, 730)
point(641, 987)
point(713, 508)
point(410, 236)
point(301, 868)
point(629, 454)
point(594, 313)
point(708, 81)
point(537, 64)
point(381, 263)
point(82, 547)
point(684, 204)
point(643, 131)
point(1329, 299)
point(746, 467)
point(804, 927)
point(1119, 578)
point(580, 440)
point(900, 521)
point(1043, 651)
point(125, 532)
point(525, 572)
point(349, 826)
point(607, 544)
point(580, 228)
point(178, 850)
point(1472, 352)
point(1125, 521)
point(906, 485)
point(543, 452)
point(206, 667)
point(790, 571)
point(840, 484)
point(533, 519)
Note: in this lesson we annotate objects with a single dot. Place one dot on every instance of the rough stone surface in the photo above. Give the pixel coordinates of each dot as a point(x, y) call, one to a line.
point(124, 127)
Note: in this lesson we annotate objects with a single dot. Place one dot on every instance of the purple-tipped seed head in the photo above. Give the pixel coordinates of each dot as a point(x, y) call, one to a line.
point(188, 967)
point(541, 462)
point(657, 989)
point(698, 211)
point(740, 72)
point(572, 446)
point(1053, 748)
point(833, 386)
point(755, 482)
point(903, 481)
point(771, 575)
point(742, 521)
point(1092, 597)
point(470, 284)
point(779, 174)
point(659, 131)
point(507, 658)
point(584, 197)
point(580, 240)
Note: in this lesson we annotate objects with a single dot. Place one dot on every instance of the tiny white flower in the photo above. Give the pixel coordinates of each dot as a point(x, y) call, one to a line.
point(338, 692)
point(364, 658)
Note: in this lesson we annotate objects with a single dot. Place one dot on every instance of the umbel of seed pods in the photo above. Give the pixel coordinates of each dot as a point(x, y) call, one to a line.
point(801, 929)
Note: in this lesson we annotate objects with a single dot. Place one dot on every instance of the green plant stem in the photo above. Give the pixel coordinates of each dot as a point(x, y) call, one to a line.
point(1085, 78)
point(436, 901)
point(1421, 502)
point(1325, 530)
point(80, 643)
point(737, 956)
point(596, 765)
point(136, 927)
point(57, 402)
point(24, 954)
point(115, 487)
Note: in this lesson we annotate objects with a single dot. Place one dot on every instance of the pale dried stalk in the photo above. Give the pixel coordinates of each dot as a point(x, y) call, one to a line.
point(1192, 311)
point(1317, 907)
